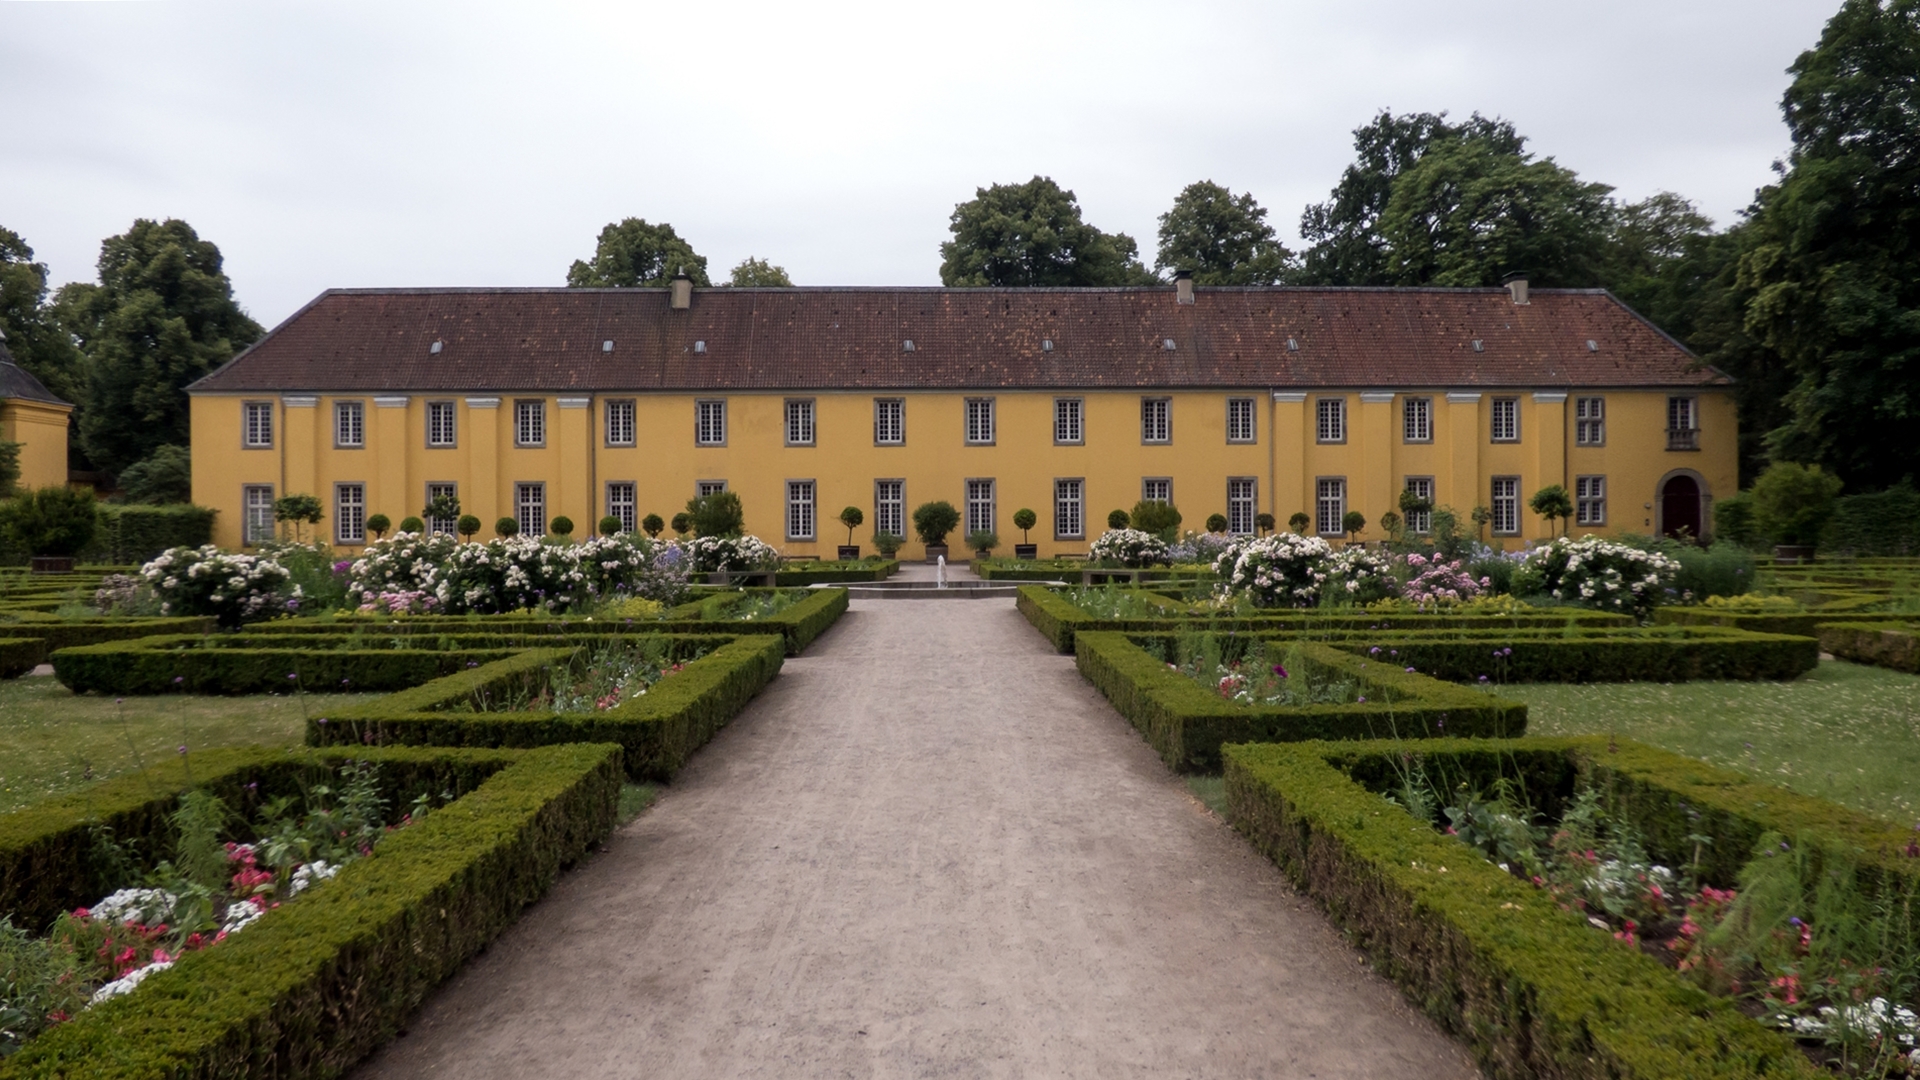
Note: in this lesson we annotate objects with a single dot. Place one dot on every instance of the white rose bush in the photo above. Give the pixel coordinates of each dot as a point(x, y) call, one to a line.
point(1282, 570)
point(410, 573)
point(735, 554)
point(1130, 548)
point(234, 588)
point(1597, 573)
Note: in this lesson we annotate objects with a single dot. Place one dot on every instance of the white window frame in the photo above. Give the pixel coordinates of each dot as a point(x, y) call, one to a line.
point(799, 421)
point(530, 507)
point(801, 515)
point(1330, 505)
point(980, 505)
point(256, 510)
point(622, 417)
point(710, 422)
point(350, 512)
point(1330, 420)
point(979, 421)
point(449, 526)
point(890, 507)
point(1156, 489)
point(1156, 421)
point(623, 502)
point(1683, 422)
point(1420, 521)
point(256, 425)
point(1070, 508)
point(1243, 505)
point(1589, 421)
point(441, 431)
point(349, 425)
point(1243, 421)
point(530, 423)
point(1069, 421)
point(1416, 419)
point(704, 488)
point(889, 421)
point(1505, 420)
point(1590, 500)
point(1504, 501)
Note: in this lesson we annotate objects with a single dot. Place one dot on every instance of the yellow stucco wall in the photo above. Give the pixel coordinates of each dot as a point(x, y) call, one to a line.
point(42, 429)
point(396, 465)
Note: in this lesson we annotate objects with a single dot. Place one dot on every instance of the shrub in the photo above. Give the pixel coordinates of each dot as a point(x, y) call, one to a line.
point(506, 527)
point(983, 540)
point(886, 543)
point(437, 573)
point(315, 580)
point(1353, 523)
point(1436, 582)
point(1792, 502)
point(1597, 573)
point(682, 523)
point(131, 533)
point(717, 514)
point(442, 507)
point(933, 521)
point(652, 525)
point(1884, 523)
point(1298, 522)
point(378, 524)
point(412, 524)
point(302, 510)
point(609, 525)
point(1733, 520)
point(561, 525)
point(1283, 570)
point(232, 588)
point(163, 478)
point(1201, 547)
point(1359, 576)
point(1264, 522)
point(712, 554)
point(1119, 519)
point(1216, 523)
point(49, 520)
point(1160, 519)
point(1129, 547)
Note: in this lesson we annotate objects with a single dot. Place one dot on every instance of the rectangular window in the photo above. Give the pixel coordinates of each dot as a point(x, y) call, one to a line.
point(440, 424)
point(1506, 505)
point(257, 500)
point(890, 507)
point(530, 423)
point(1330, 505)
point(1421, 521)
point(257, 421)
point(704, 488)
point(621, 504)
point(1068, 429)
point(349, 425)
point(1590, 421)
point(1243, 496)
point(1683, 426)
point(799, 509)
point(1069, 510)
point(620, 425)
point(1241, 427)
point(1506, 419)
point(979, 506)
point(530, 509)
point(710, 422)
point(1156, 420)
point(889, 422)
point(350, 513)
point(1330, 420)
point(980, 420)
point(1418, 415)
point(1590, 500)
point(447, 525)
point(1156, 489)
point(799, 421)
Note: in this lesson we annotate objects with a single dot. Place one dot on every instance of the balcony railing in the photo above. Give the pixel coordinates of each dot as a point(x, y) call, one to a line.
point(1683, 438)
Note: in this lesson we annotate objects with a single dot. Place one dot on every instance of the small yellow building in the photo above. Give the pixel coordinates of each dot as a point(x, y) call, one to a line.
point(536, 403)
point(33, 417)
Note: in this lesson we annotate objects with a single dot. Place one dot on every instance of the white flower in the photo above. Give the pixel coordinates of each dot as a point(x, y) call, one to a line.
point(125, 983)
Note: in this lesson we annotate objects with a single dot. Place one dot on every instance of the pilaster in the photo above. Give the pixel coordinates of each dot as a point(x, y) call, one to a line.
point(1290, 434)
point(1460, 487)
point(480, 430)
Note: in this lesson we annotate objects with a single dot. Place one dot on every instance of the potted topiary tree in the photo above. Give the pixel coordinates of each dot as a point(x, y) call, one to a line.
point(506, 526)
point(1216, 523)
point(1552, 502)
point(301, 510)
point(52, 524)
point(442, 507)
point(1390, 524)
point(1118, 519)
point(1481, 518)
point(1024, 519)
point(1263, 522)
point(682, 524)
point(652, 525)
point(1160, 519)
point(1353, 524)
point(561, 526)
point(414, 525)
point(468, 525)
point(886, 543)
point(1791, 503)
point(851, 517)
point(983, 541)
point(932, 522)
point(609, 526)
point(1299, 522)
point(378, 525)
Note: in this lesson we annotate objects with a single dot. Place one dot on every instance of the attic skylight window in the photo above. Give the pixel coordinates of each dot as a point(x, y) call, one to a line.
point(1167, 344)
point(1292, 345)
point(1479, 346)
point(907, 345)
point(1046, 345)
point(1592, 345)
point(435, 348)
point(607, 345)
point(699, 346)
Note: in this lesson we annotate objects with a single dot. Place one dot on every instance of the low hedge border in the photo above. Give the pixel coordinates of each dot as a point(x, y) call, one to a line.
point(314, 986)
point(1595, 654)
point(151, 665)
point(20, 655)
point(658, 731)
point(1882, 644)
point(1799, 623)
point(1533, 989)
point(833, 575)
point(1187, 725)
point(61, 633)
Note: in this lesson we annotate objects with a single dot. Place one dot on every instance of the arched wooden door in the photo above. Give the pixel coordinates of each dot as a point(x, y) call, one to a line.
point(1680, 507)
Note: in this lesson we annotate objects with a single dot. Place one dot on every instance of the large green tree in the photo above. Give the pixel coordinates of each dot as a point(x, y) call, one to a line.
point(759, 272)
point(635, 254)
point(161, 316)
point(34, 335)
point(1222, 238)
point(1032, 234)
point(1833, 260)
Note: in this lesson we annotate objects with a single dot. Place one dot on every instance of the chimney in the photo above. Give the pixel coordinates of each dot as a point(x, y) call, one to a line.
point(1183, 287)
point(683, 289)
point(1516, 283)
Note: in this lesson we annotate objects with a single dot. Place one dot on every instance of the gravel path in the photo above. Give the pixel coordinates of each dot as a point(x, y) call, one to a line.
point(929, 849)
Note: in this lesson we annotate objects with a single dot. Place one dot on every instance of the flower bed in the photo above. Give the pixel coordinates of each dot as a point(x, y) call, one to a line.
point(1187, 722)
point(440, 575)
point(313, 986)
point(792, 575)
point(1597, 573)
point(233, 588)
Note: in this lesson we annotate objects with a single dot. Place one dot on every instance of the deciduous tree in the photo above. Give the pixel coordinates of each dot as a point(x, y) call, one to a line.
point(33, 333)
point(759, 272)
point(1222, 238)
point(635, 254)
point(1032, 234)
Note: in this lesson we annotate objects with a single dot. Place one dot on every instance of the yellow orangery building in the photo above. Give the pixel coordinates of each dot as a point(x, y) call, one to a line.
point(33, 417)
point(537, 403)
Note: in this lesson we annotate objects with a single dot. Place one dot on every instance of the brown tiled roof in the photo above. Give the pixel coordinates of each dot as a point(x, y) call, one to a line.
point(375, 340)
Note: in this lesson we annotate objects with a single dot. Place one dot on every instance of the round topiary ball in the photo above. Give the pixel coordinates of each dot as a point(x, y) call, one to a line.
point(609, 525)
point(507, 526)
point(652, 524)
point(1118, 520)
point(561, 526)
point(411, 524)
point(468, 525)
point(378, 524)
point(1216, 523)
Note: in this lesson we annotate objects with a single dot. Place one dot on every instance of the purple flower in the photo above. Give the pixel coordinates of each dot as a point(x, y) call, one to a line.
point(1441, 723)
point(183, 748)
point(293, 676)
point(1375, 651)
point(1363, 699)
point(1483, 678)
point(178, 679)
point(1796, 921)
point(1280, 671)
point(1409, 671)
point(322, 721)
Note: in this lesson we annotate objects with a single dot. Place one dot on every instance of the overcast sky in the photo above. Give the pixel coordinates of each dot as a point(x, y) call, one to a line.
point(384, 144)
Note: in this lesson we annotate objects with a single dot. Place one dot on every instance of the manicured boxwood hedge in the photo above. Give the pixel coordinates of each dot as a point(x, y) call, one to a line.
point(66, 633)
point(835, 573)
point(314, 986)
point(249, 664)
point(1798, 623)
point(20, 655)
point(1187, 724)
point(1532, 988)
point(1882, 644)
point(659, 731)
point(1594, 654)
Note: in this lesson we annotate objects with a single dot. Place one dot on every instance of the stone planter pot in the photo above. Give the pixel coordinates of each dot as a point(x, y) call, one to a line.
point(52, 564)
point(1026, 551)
point(936, 552)
point(983, 554)
point(1792, 554)
point(849, 552)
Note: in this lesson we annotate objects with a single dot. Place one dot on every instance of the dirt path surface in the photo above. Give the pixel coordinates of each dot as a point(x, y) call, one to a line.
point(929, 849)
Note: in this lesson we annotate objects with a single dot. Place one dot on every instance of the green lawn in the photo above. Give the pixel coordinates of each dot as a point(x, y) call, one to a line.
point(52, 740)
point(1844, 732)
